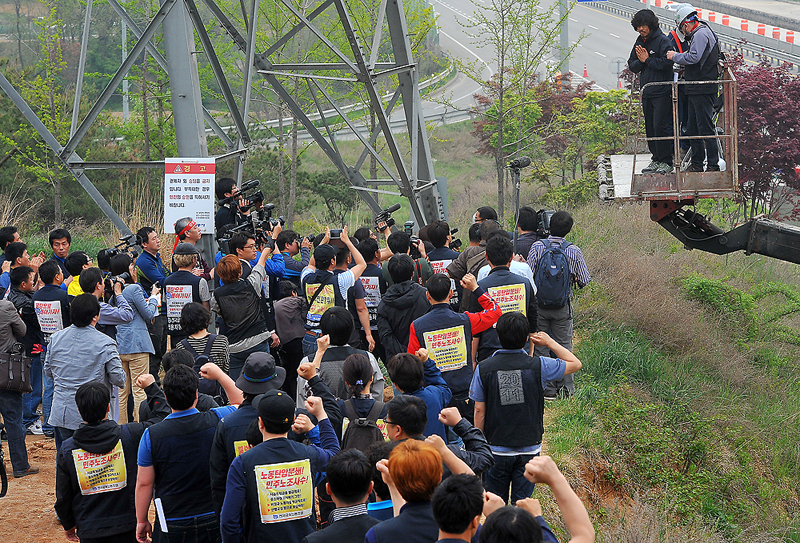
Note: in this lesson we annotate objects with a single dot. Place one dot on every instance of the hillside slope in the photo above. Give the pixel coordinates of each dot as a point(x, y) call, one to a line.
point(686, 424)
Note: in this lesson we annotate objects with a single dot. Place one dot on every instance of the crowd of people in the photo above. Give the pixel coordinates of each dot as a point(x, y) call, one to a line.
point(350, 392)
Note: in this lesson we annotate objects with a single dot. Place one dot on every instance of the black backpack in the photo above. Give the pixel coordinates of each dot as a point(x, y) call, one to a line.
point(362, 431)
point(207, 386)
point(552, 276)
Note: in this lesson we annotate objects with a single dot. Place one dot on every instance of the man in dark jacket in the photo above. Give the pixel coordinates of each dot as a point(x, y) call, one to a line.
point(649, 57)
point(23, 281)
point(403, 303)
point(349, 484)
point(96, 473)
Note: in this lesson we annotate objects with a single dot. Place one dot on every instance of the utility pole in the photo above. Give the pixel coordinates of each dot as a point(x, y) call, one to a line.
point(563, 6)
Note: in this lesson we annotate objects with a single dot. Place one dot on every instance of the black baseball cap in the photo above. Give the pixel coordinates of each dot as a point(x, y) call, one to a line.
point(324, 251)
point(275, 406)
point(260, 374)
point(185, 248)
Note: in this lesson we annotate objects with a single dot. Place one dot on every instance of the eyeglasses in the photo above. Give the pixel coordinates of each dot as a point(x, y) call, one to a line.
point(389, 422)
point(253, 246)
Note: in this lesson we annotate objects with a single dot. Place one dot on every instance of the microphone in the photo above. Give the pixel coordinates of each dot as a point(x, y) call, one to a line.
point(521, 162)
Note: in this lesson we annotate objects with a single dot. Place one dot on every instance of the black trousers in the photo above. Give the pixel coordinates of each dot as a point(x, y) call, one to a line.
point(658, 123)
point(701, 123)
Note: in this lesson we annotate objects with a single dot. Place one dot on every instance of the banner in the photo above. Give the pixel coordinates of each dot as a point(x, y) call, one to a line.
point(285, 491)
point(100, 472)
point(49, 316)
point(189, 192)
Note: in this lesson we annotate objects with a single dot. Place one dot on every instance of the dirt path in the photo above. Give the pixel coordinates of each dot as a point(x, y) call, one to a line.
point(26, 512)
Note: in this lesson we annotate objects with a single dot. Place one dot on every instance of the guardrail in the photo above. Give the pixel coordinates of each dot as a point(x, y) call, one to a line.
point(752, 45)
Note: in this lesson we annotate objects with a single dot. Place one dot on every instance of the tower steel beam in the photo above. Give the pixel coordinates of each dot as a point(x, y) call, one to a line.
point(162, 62)
point(55, 146)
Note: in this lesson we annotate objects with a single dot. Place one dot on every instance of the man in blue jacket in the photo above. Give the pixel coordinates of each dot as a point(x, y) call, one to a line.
point(270, 490)
point(150, 269)
point(649, 57)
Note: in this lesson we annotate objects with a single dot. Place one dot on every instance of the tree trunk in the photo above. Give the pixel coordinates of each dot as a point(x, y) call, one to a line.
point(293, 171)
point(59, 215)
point(499, 160)
point(17, 6)
point(282, 167)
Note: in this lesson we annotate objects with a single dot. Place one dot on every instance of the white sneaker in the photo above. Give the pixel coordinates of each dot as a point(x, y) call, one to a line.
point(35, 429)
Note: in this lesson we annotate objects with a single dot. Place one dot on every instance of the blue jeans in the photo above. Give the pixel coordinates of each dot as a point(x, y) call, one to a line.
point(47, 401)
point(11, 409)
point(237, 359)
point(509, 470)
point(203, 529)
point(310, 344)
point(31, 400)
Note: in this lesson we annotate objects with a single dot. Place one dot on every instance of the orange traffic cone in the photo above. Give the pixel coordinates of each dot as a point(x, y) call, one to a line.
point(585, 71)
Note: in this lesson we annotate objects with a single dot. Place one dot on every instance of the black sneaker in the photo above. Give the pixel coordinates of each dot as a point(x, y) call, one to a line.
point(32, 470)
point(652, 167)
point(712, 168)
point(695, 168)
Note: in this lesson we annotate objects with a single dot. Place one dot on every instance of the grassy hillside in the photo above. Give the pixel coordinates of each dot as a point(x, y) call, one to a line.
point(686, 423)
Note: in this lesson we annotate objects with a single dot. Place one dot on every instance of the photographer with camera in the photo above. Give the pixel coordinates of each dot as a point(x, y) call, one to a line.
point(150, 270)
point(133, 341)
point(290, 243)
point(323, 288)
point(230, 208)
point(527, 225)
point(442, 255)
point(400, 243)
point(182, 287)
point(188, 231)
point(116, 310)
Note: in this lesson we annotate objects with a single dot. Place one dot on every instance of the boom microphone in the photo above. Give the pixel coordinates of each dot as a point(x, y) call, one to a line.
point(521, 162)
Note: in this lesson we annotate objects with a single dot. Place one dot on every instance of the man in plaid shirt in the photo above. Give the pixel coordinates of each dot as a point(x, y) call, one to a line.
point(557, 322)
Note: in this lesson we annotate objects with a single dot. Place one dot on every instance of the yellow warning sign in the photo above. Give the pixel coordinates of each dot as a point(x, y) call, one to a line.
point(447, 348)
point(285, 491)
point(510, 298)
point(100, 472)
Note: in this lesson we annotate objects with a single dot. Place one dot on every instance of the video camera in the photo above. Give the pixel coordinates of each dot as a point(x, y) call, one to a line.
point(386, 216)
point(258, 224)
point(129, 244)
point(244, 194)
point(543, 222)
point(408, 228)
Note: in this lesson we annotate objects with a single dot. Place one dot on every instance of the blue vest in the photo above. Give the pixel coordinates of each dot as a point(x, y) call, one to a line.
point(181, 450)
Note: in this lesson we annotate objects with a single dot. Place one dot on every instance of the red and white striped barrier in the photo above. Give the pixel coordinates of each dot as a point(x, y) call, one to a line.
point(762, 29)
point(726, 20)
point(712, 17)
point(745, 25)
point(776, 32)
point(789, 36)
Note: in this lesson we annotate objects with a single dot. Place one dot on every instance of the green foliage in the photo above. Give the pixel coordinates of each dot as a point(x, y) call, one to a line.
point(334, 190)
point(527, 113)
point(574, 194)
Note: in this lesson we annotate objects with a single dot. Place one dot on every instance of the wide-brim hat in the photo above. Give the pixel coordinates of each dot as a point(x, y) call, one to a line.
point(260, 374)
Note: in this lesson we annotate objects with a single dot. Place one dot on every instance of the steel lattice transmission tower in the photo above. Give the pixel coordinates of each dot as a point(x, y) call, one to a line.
point(180, 21)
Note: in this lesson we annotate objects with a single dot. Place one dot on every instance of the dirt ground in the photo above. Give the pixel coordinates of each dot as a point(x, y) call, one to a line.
point(26, 512)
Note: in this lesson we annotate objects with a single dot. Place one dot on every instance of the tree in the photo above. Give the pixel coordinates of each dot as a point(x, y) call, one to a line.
point(334, 190)
point(769, 131)
point(521, 35)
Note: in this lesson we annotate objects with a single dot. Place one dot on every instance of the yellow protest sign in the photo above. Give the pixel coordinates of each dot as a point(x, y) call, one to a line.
point(324, 301)
point(447, 348)
point(240, 447)
point(510, 298)
point(285, 491)
point(100, 472)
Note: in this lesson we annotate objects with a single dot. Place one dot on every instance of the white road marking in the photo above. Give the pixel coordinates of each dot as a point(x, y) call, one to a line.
point(573, 20)
point(593, 27)
point(614, 35)
point(598, 53)
point(470, 51)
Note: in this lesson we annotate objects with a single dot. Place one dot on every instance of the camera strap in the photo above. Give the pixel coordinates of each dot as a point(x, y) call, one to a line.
point(319, 289)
